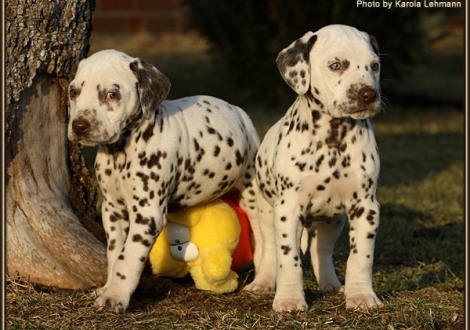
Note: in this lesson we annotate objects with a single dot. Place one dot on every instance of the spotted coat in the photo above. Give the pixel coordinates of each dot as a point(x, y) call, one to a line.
point(319, 163)
point(154, 156)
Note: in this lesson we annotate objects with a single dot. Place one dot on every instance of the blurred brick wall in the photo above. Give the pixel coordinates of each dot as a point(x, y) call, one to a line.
point(131, 16)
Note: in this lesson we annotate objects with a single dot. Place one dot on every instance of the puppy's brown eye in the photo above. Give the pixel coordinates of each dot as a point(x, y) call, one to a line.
point(375, 66)
point(112, 95)
point(73, 93)
point(335, 66)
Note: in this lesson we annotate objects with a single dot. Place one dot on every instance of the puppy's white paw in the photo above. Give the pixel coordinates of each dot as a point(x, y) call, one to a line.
point(101, 290)
point(363, 301)
point(261, 287)
point(290, 304)
point(112, 302)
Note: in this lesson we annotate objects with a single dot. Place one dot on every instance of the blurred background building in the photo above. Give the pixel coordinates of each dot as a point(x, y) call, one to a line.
point(132, 16)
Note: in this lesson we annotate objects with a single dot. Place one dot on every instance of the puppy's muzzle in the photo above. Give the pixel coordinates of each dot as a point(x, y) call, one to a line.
point(364, 102)
point(366, 96)
point(80, 126)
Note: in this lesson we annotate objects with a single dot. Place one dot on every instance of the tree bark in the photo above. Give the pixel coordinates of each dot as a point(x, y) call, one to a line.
point(45, 241)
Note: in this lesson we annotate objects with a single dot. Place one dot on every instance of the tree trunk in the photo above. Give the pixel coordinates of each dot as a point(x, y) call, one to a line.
point(45, 241)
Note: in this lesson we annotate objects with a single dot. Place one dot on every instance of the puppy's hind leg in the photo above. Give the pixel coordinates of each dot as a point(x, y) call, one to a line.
point(264, 257)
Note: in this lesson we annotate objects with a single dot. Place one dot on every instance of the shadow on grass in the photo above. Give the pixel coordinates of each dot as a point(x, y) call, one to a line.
point(410, 158)
point(409, 255)
point(405, 240)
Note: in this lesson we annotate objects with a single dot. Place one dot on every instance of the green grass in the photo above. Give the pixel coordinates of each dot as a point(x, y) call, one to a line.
point(419, 256)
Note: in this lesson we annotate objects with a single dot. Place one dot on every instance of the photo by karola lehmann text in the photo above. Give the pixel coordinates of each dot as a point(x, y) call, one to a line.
point(408, 4)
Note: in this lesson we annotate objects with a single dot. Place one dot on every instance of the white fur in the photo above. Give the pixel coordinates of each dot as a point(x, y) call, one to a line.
point(320, 163)
point(153, 155)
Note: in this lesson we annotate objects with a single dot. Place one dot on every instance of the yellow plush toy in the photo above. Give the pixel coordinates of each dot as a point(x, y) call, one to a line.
point(200, 241)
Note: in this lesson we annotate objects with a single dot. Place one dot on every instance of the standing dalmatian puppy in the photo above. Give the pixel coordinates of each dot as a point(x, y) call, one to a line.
point(320, 163)
point(154, 156)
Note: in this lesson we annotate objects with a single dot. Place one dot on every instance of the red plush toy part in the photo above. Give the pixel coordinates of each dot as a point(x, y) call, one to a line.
point(243, 254)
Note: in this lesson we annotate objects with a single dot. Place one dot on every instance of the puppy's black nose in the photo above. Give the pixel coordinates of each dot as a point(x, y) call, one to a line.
point(80, 126)
point(367, 95)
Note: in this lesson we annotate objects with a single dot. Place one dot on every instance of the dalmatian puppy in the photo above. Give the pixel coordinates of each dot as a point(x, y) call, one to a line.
point(154, 156)
point(319, 163)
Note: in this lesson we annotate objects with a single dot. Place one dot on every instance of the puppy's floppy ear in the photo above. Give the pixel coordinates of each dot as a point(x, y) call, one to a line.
point(293, 63)
point(152, 86)
point(374, 43)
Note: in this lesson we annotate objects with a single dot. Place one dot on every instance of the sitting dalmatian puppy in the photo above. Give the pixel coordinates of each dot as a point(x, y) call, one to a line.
point(320, 163)
point(154, 157)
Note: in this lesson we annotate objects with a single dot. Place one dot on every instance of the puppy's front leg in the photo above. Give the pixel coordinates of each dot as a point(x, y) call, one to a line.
point(363, 224)
point(289, 278)
point(116, 225)
point(146, 223)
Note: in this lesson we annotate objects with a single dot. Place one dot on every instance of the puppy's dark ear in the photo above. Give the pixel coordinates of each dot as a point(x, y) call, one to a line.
point(374, 43)
point(152, 86)
point(293, 63)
